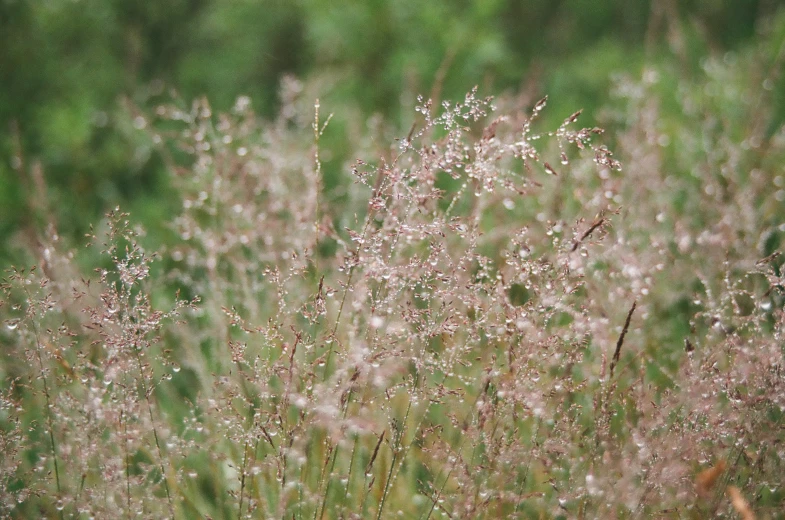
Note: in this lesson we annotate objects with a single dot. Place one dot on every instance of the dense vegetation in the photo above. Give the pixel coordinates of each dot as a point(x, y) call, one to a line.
point(337, 296)
point(70, 73)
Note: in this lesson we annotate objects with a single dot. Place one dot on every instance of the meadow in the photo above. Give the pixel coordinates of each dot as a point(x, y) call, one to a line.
point(489, 310)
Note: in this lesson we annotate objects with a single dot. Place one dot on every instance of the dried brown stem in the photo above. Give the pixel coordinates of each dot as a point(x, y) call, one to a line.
point(619, 343)
point(597, 223)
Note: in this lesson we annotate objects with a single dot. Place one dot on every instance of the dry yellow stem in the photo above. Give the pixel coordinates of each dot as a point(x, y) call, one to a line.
point(739, 503)
point(708, 477)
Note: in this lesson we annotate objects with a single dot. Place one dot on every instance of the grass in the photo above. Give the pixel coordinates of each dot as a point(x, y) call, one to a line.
point(488, 319)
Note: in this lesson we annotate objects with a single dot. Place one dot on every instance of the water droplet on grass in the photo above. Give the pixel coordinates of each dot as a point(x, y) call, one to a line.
point(12, 324)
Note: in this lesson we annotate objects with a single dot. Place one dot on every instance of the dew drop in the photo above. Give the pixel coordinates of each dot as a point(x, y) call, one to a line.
point(12, 324)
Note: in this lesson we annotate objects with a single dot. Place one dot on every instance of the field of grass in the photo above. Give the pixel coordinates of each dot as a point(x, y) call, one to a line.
point(492, 311)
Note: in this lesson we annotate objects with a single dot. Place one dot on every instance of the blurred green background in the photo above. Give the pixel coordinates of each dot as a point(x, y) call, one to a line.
point(72, 73)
